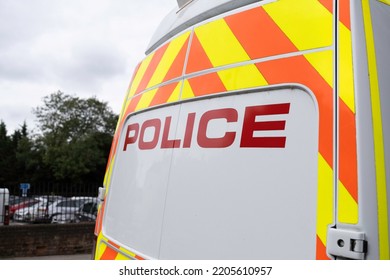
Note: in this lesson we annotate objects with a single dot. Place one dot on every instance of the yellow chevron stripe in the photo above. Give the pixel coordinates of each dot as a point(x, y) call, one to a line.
point(148, 96)
point(121, 255)
point(175, 96)
point(100, 247)
point(387, 2)
point(307, 23)
point(242, 77)
point(107, 175)
point(347, 209)
point(168, 58)
point(322, 62)
point(380, 165)
point(220, 44)
point(146, 99)
point(140, 73)
point(126, 104)
point(324, 198)
point(346, 85)
point(187, 92)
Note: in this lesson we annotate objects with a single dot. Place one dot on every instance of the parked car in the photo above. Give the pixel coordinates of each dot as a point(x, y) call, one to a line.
point(87, 212)
point(20, 203)
point(65, 211)
point(31, 212)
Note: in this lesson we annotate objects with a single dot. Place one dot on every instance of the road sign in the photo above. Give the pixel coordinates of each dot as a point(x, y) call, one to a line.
point(24, 188)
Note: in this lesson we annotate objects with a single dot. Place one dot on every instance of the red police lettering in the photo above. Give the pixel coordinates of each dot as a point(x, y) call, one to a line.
point(189, 130)
point(166, 143)
point(136, 132)
point(154, 124)
point(131, 139)
point(230, 115)
point(250, 126)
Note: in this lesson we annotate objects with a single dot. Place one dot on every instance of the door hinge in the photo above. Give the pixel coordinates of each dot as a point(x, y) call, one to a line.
point(346, 244)
point(101, 194)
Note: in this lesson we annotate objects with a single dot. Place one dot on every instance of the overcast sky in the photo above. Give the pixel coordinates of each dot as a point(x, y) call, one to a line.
point(81, 47)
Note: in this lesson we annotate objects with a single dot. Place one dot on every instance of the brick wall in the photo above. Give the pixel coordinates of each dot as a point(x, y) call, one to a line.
point(45, 240)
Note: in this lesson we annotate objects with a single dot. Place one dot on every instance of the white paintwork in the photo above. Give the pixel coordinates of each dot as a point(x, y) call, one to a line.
point(218, 203)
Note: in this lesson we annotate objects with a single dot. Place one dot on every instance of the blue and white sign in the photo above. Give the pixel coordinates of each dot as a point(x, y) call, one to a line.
point(24, 187)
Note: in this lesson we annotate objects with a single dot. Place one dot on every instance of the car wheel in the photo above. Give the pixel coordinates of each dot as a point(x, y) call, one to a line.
point(53, 219)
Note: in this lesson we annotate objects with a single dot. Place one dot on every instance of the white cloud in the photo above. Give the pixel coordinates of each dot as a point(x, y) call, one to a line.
point(87, 48)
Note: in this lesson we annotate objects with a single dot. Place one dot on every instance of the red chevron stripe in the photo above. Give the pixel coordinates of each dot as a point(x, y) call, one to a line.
point(253, 28)
point(348, 154)
point(345, 15)
point(207, 84)
point(109, 254)
point(344, 10)
point(176, 69)
point(163, 93)
point(321, 250)
point(198, 59)
point(151, 68)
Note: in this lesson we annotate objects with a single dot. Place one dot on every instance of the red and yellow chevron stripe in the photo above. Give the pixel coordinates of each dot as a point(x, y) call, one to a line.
point(282, 42)
point(108, 250)
point(348, 185)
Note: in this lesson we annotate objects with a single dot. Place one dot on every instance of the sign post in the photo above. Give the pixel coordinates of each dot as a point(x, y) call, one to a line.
point(24, 187)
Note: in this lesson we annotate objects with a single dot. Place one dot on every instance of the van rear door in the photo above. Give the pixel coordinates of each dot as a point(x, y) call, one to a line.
point(233, 176)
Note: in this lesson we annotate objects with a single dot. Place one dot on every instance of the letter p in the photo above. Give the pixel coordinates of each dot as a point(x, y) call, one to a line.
point(131, 135)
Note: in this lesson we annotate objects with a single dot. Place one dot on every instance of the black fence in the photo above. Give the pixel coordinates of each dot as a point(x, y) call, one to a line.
point(48, 203)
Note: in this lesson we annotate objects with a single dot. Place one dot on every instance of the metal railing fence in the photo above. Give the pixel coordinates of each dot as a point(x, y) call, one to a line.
point(48, 203)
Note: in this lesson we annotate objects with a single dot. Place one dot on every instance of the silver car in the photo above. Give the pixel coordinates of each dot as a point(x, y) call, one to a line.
point(65, 211)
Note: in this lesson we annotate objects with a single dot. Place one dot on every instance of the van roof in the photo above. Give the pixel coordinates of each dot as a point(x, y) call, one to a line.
point(189, 13)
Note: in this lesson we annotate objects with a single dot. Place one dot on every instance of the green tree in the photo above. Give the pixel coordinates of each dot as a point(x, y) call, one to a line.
point(28, 161)
point(75, 136)
point(6, 155)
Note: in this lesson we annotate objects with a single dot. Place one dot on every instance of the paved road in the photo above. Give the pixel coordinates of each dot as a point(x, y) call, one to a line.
point(61, 257)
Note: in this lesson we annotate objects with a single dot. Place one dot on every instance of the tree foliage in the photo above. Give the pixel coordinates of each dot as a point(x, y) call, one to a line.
point(72, 144)
point(69, 117)
point(6, 153)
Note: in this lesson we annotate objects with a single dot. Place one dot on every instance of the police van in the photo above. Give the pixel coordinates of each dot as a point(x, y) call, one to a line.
point(254, 130)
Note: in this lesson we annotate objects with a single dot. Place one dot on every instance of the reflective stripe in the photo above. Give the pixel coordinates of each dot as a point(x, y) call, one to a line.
point(306, 23)
point(252, 26)
point(155, 59)
point(157, 96)
point(171, 64)
point(346, 86)
point(100, 247)
point(140, 74)
point(380, 169)
point(320, 61)
point(347, 196)
point(220, 44)
point(347, 208)
point(324, 200)
point(108, 250)
point(242, 77)
point(387, 2)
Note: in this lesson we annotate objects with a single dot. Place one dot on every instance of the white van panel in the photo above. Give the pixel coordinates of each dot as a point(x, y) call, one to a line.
point(203, 198)
point(237, 203)
point(135, 204)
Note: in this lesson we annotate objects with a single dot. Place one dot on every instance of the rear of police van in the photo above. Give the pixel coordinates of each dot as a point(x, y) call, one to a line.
point(240, 133)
